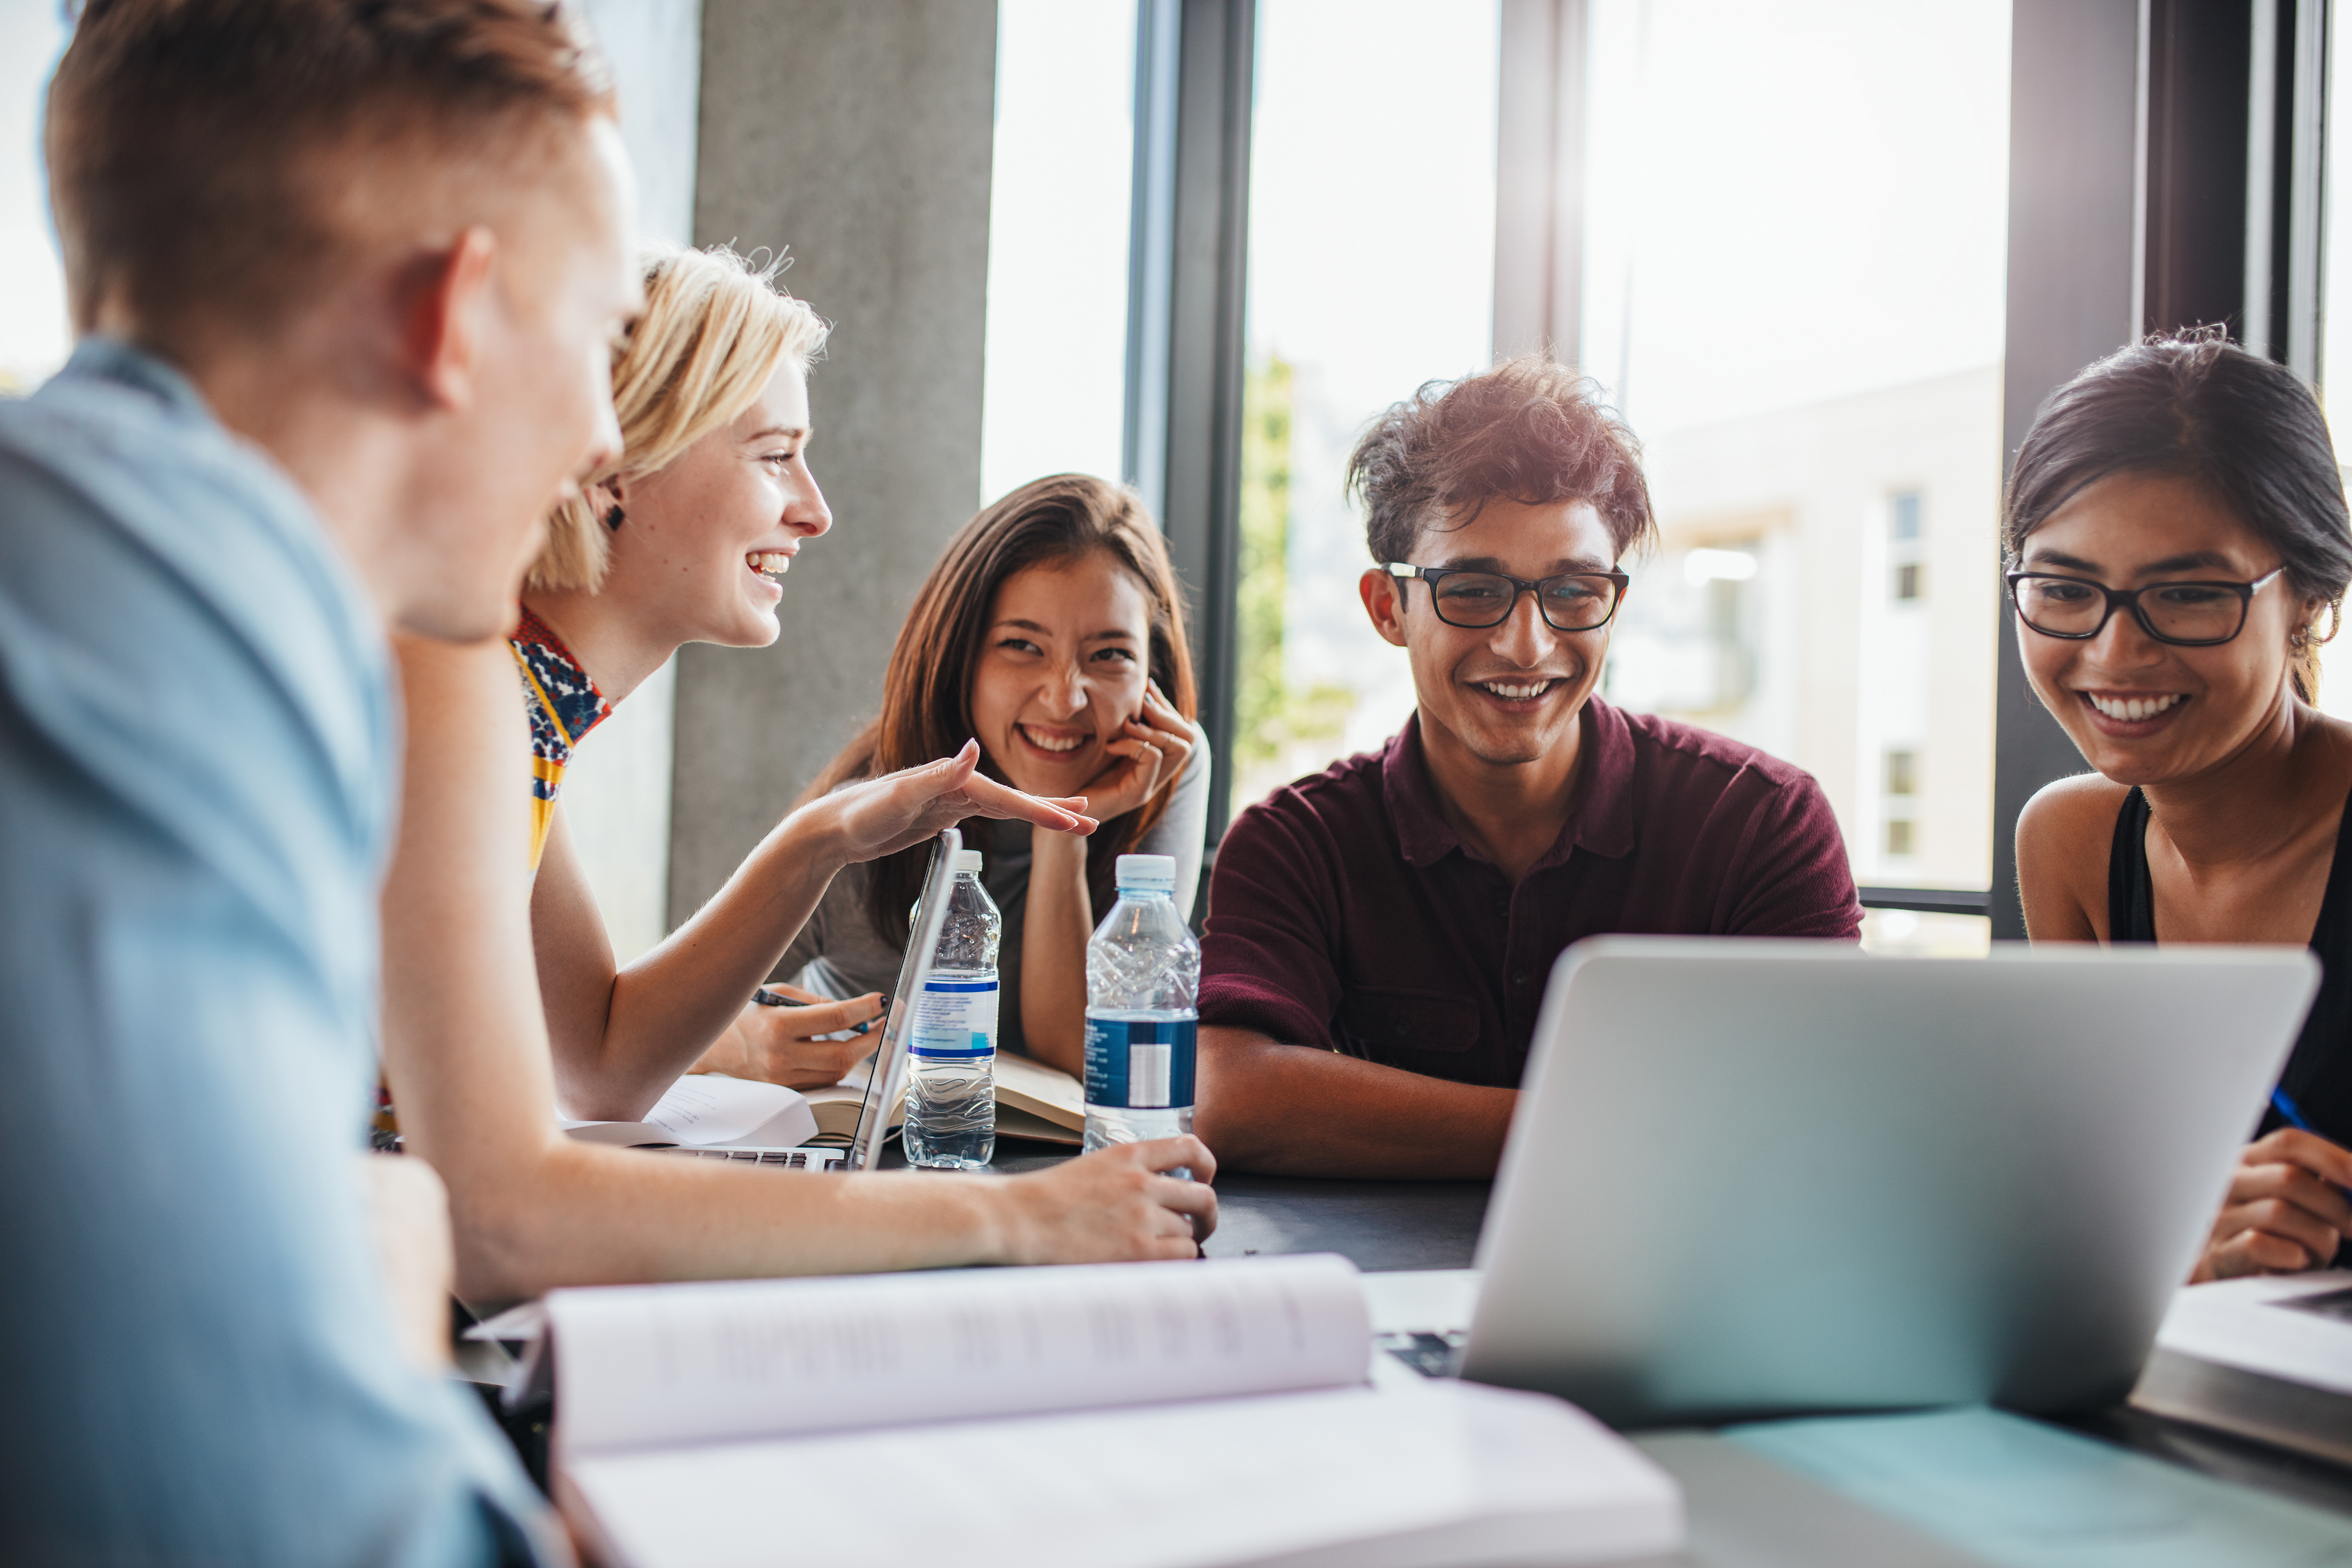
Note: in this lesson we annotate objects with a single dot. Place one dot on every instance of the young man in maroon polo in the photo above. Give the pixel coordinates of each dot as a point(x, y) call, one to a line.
point(1380, 933)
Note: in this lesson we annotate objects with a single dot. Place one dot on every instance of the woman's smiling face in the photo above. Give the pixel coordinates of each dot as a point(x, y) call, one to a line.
point(1063, 665)
point(706, 542)
point(2140, 710)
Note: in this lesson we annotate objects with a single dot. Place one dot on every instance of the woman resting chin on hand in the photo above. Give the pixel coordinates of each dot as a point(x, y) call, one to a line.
point(1050, 630)
point(2177, 535)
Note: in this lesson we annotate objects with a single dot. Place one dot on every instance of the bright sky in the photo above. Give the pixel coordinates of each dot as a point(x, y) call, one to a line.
point(1373, 193)
point(1057, 231)
point(1793, 203)
point(33, 336)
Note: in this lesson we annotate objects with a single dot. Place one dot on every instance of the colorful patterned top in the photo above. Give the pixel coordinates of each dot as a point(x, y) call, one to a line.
point(564, 706)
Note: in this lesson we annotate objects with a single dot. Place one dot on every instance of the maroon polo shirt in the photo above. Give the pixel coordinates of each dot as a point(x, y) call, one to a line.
point(1345, 914)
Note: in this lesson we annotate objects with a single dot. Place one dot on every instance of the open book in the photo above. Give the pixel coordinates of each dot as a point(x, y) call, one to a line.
point(710, 1111)
point(2268, 1357)
point(1125, 1416)
point(1033, 1100)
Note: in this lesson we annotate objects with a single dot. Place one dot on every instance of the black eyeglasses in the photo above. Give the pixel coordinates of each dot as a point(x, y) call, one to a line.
point(1571, 602)
point(2186, 615)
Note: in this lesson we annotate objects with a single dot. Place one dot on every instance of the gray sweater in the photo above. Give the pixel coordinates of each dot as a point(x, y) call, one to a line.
point(838, 953)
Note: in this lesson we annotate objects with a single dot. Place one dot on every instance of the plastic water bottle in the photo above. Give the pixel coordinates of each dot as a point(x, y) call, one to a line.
point(951, 1048)
point(1143, 971)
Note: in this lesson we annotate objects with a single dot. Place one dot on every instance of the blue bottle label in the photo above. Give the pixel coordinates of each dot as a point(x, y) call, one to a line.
point(955, 1018)
point(1139, 1064)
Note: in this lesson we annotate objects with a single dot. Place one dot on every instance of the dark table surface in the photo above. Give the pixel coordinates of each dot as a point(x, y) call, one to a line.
point(1435, 1225)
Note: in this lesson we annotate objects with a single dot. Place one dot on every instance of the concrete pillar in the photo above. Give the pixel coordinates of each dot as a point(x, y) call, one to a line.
point(616, 792)
point(859, 137)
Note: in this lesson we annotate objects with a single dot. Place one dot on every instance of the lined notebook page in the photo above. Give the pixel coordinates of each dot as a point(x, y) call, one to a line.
point(643, 1365)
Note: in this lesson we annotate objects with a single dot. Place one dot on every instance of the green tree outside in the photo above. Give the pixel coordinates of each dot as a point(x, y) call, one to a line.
point(1271, 716)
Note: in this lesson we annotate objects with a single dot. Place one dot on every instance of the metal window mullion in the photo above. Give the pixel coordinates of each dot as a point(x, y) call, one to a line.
point(1187, 275)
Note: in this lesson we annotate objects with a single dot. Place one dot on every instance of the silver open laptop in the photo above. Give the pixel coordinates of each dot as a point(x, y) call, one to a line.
point(1750, 1177)
point(887, 1072)
point(888, 1075)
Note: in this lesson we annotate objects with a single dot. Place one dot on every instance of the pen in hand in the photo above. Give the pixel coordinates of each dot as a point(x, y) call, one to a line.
point(767, 998)
point(2287, 1109)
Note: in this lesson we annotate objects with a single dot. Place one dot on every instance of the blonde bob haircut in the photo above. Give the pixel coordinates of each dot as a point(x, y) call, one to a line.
point(714, 331)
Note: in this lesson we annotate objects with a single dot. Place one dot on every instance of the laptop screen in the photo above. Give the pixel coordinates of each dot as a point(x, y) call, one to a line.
point(889, 1070)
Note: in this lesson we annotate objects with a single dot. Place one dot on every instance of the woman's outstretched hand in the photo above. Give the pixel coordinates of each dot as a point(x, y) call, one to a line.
point(881, 816)
point(2286, 1211)
point(1149, 754)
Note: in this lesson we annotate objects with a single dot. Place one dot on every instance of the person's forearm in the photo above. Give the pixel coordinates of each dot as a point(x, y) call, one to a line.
point(581, 1214)
point(1058, 918)
point(668, 1005)
point(1292, 1111)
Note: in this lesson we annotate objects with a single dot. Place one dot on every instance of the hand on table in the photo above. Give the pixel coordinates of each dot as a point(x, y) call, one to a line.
point(1113, 1206)
point(878, 816)
point(1151, 750)
point(778, 1045)
point(2286, 1210)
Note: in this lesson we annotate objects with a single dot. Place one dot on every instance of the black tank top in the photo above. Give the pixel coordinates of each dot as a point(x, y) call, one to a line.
point(2318, 1076)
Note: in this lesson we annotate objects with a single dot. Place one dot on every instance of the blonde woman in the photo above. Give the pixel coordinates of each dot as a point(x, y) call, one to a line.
point(683, 538)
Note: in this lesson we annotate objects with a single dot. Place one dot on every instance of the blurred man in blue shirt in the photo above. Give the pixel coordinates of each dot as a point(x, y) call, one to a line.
point(346, 279)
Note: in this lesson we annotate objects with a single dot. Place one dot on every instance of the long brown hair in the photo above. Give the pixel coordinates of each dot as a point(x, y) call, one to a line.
point(927, 695)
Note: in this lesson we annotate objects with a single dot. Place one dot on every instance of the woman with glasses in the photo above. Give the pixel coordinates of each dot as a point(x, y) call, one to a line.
point(2180, 547)
point(1051, 631)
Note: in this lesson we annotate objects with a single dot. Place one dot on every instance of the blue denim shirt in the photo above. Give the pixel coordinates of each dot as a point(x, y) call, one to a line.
point(197, 760)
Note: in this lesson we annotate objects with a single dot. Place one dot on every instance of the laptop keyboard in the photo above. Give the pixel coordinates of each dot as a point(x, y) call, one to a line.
point(778, 1159)
point(1429, 1355)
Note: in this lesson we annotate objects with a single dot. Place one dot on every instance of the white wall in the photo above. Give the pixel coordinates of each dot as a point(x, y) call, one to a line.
point(617, 791)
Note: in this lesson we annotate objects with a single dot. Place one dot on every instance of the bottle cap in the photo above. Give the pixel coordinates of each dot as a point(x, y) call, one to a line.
point(967, 859)
point(1146, 871)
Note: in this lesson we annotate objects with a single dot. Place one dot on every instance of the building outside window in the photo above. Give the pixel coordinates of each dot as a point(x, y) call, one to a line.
point(1903, 544)
point(1832, 419)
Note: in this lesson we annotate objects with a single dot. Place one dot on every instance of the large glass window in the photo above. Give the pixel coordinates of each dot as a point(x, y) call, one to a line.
point(2336, 318)
point(1371, 265)
point(33, 335)
point(1794, 290)
point(1058, 217)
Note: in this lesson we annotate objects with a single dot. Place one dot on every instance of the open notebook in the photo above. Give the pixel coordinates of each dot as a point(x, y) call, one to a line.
point(710, 1116)
point(1131, 1416)
point(1033, 1100)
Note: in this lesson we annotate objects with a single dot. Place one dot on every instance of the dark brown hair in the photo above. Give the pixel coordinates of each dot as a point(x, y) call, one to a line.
point(197, 148)
point(927, 695)
point(2196, 407)
point(1529, 430)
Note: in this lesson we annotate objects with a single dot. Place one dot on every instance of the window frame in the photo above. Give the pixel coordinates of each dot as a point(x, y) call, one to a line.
point(2165, 169)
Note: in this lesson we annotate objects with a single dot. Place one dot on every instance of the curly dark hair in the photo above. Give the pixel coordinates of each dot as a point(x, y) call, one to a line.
point(2194, 405)
point(1530, 430)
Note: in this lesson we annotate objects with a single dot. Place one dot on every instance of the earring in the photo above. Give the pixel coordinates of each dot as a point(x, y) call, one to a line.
point(614, 519)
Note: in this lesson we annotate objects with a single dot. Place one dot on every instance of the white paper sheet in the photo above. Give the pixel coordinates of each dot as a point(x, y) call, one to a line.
point(701, 1111)
point(647, 1365)
point(2246, 1323)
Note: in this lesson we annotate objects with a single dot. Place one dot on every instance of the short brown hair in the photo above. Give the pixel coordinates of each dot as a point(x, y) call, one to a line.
point(1529, 430)
point(926, 694)
point(197, 148)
